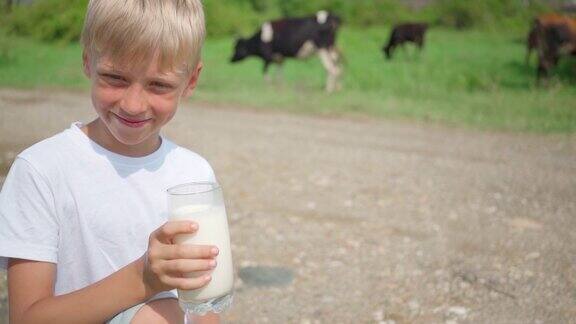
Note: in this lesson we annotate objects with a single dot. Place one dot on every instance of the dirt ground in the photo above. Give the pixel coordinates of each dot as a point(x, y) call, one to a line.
point(372, 221)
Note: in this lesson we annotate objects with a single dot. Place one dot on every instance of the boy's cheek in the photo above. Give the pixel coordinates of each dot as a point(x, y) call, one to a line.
point(164, 102)
point(164, 110)
point(107, 94)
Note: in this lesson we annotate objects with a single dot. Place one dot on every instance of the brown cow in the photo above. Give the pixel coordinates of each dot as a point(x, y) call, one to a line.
point(555, 35)
point(548, 19)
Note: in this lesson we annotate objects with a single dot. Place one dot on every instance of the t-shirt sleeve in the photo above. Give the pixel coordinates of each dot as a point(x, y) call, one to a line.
point(28, 223)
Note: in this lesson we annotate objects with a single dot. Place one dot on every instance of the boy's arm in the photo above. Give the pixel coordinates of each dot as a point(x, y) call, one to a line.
point(31, 283)
point(32, 300)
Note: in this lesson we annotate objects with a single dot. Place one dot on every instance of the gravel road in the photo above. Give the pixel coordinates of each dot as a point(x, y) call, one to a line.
point(353, 220)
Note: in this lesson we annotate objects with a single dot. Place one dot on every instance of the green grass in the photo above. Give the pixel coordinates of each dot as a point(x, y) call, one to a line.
point(31, 64)
point(470, 78)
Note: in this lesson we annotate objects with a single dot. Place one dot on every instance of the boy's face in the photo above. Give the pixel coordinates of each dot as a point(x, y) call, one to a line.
point(134, 104)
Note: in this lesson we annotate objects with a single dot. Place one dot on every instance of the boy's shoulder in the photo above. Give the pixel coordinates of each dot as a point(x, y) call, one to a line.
point(183, 157)
point(49, 149)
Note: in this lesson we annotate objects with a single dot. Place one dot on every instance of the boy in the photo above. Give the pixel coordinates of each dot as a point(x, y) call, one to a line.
point(81, 213)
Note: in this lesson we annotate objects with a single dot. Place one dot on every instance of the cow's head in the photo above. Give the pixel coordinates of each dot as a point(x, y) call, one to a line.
point(387, 51)
point(335, 21)
point(241, 50)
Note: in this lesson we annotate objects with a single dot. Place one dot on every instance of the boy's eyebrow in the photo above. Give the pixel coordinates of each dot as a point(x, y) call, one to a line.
point(172, 77)
point(164, 77)
point(108, 69)
point(160, 76)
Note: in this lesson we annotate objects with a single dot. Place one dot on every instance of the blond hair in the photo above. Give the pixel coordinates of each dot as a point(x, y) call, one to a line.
point(131, 32)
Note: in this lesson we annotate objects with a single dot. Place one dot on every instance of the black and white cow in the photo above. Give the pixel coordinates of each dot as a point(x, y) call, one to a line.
point(296, 38)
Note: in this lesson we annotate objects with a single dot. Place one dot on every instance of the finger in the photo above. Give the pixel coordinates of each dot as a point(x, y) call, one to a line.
point(187, 283)
point(183, 266)
point(166, 232)
point(188, 251)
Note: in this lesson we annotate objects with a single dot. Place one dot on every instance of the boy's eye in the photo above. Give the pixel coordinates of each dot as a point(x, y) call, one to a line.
point(114, 78)
point(161, 86)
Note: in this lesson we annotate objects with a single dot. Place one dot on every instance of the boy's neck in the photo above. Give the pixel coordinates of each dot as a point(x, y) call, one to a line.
point(99, 133)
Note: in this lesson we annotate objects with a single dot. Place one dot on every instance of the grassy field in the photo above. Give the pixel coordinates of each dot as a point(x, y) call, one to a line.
point(471, 78)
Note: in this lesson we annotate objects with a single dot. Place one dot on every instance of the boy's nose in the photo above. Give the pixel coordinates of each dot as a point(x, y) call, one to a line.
point(134, 100)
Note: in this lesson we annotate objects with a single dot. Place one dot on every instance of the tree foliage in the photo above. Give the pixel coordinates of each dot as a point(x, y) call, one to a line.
point(48, 20)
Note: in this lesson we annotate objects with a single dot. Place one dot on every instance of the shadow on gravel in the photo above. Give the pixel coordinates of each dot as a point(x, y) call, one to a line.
point(261, 276)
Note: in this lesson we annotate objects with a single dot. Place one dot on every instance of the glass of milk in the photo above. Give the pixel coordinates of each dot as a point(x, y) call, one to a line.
point(203, 203)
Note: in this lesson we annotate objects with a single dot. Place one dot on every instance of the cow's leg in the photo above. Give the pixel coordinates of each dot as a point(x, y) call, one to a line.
point(528, 52)
point(265, 70)
point(420, 43)
point(279, 63)
point(336, 56)
point(389, 50)
point(275, 76)
point(531, 43)
point(332, 69)
point(268, 56)
point(546, 61)
point(279, 72)
point(542, 71)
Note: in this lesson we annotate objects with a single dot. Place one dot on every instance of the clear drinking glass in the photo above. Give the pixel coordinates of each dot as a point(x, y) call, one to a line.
point(203, 203)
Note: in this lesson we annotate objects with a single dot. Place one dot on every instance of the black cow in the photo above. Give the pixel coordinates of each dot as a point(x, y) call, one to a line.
point(403, 33)
point(295, 38)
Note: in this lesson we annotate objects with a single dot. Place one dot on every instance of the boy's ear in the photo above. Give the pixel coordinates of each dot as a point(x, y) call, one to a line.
point(193, 80)
point(86, 64)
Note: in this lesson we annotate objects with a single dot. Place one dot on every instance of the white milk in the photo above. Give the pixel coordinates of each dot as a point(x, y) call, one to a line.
point(212, 230)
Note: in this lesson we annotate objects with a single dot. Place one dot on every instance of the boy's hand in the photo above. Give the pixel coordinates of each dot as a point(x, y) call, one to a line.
point(166, 263)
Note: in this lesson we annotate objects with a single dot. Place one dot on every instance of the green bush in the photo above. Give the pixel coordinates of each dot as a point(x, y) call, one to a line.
point(229, 17)
point(300, 7)
point(357, 13)
point(48, 20)
point(484, 14)
point(61, 20)
point(374, 12)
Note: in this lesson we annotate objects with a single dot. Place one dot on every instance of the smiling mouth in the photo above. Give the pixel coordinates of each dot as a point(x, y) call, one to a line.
point(132, 122)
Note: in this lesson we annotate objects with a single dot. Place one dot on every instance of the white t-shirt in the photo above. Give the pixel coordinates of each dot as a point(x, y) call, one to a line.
point(69, 201)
